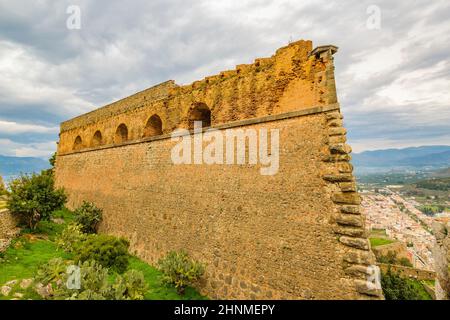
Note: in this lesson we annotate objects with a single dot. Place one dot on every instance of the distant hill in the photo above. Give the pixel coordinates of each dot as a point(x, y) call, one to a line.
point(426, 157)
point(442, 184)
point(10, 166)
point(444, 173)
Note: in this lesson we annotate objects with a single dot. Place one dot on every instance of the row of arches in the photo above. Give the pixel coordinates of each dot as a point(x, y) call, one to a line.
point(153, 127)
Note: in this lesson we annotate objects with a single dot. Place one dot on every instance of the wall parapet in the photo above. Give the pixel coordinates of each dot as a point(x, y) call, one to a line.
point(155, 93)
point(293, 78)
point(418, 274)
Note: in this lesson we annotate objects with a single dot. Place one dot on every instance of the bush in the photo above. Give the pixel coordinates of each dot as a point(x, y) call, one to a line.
point(88, 216)
point(131, 286)
point(180, 270)
point(108, 251)
point(389, 258)
point(397, 288)
point(405, 262)
point(70, 237)
point(34, 198)
point(94, 285)
point(51, 271)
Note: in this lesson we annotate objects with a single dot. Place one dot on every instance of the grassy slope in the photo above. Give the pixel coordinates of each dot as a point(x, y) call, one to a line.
point(374, 242)
point(26, 253)
point(419, 288)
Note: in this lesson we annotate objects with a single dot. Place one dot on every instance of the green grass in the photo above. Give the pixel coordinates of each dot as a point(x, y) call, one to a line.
point(419, 288)
point(22, 259)
point(375, 242)
point(3, 204)
point(35, 247)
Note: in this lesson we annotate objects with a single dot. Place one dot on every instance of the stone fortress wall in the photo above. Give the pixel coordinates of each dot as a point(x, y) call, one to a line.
point(8, 229)
point(441, 254)
point(298, 234)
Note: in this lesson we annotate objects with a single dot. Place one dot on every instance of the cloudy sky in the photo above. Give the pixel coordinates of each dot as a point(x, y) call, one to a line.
point(393, 74)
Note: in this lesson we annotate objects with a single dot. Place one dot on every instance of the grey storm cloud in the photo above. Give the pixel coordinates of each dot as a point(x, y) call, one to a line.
point(392, 82)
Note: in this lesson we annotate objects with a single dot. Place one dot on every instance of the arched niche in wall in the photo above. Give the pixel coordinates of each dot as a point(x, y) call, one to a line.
point(121, 134)
point(153, 127)
point(78, 143)
point(97, 139)
point(199, 112)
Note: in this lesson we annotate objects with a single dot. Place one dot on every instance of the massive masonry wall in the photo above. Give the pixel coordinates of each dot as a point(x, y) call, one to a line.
point(298, 234)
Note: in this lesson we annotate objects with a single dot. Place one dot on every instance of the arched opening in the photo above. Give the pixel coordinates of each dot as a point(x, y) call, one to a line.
point(200, 112)
point(97, 139)
point(78, 144)
point(121, 134)
point(153, 126)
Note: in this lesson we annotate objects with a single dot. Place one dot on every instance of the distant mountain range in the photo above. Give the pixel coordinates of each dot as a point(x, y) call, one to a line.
point(426, 157)
point(11, 166)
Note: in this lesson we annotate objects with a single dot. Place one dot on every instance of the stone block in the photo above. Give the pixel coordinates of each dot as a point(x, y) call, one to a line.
point(358, 243)
point(350, 220)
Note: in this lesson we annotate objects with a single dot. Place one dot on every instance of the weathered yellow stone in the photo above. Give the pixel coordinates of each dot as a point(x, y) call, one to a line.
point(253, 232)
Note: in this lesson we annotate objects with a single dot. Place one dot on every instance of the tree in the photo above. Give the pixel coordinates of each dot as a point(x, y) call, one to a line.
point(397, 288)
point(52, 160)
point(2, 187)
point(34, 198)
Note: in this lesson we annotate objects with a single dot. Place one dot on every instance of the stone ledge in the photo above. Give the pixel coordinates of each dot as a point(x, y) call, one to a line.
point(338, 177)
point(337, 158)
point(368, 288)
point(351, 209)
point(347, 198)
point(349, 231)
point(361, 257)
point(358, 243)
point(350, 220)
point(337, 131)
point(340, 148)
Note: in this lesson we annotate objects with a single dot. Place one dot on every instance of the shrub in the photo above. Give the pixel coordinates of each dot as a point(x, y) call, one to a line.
point(389, 258)
point(131, 286)
point(88, 216)
point(51, 271)
point(108, 251)
point(34, 198)
point(94, 285)
point(405, 262)
point(397, 288)
point(180, 270)
point(70, 237)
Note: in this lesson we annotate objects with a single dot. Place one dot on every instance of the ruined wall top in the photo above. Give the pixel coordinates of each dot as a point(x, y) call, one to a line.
point(296, 77)
point(155, 93)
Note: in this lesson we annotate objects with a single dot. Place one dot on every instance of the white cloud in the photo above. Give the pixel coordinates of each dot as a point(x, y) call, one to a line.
point(11, 127)
point(28, 80)
point(41, 149)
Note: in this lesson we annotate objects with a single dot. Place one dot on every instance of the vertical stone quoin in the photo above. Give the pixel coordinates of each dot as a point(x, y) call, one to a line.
point(358, 260)
point(441, 252)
